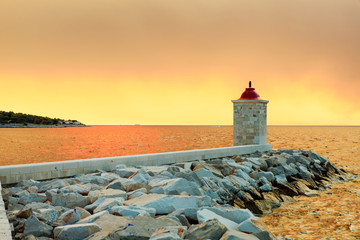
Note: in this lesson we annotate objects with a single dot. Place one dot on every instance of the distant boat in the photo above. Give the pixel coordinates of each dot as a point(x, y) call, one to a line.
point(137, 124)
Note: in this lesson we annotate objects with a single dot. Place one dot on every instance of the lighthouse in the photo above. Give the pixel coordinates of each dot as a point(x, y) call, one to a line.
point(250, 113)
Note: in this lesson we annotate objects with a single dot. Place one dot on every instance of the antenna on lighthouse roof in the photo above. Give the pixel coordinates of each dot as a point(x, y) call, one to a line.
point(249, 84)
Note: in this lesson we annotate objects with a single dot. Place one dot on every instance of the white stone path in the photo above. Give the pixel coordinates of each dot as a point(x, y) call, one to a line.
point(5, 231)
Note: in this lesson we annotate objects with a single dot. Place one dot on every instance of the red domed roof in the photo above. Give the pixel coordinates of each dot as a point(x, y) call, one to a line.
point(249, 94)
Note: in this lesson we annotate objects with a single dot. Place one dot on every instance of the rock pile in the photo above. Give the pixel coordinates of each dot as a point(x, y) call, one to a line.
point(205, 199)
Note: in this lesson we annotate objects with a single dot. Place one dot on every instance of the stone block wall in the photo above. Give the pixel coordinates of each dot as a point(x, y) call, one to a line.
point(250, 122)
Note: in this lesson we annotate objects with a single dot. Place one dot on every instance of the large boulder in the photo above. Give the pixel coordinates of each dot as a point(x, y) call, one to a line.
point(141, 227)
point(76, 231)
point(107, 193)
point(132, 211)
point(69, 200)
point(236, 235)
point(70, 217)
point(32, 197)
point(94, 217)
point(211, 229)
point(76, 188)
point(48, 215)
point(206, 215)
point(108, 203)
point(253, 225)
point(176, 186)
point(169, 233)
point(53, 184)
point(37, 228)
point(165, 204)
point(232, 213)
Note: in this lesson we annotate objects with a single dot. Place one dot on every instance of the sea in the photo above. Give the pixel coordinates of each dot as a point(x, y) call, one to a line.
point(36, 145)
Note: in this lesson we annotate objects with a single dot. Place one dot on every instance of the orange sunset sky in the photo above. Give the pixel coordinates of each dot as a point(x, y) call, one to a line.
point(180, 61)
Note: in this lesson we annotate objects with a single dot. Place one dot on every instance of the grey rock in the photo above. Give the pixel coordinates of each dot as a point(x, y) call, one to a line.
point(109, 176)
point(95, 204)
point(246, 168)
point(141, 176)
point(92, 178)
point(141, 227)
point(236, 235)
point(93, 217)
point(117, 184)
point(132, 211)
point(315, 156)
point(259, 206)
point(266, 188)
point(28, 183)
point(272, 199)
point(290, 170)
point(49, 215)
point(108, 203)
point(245, 196)
point(252, 225)
point(208, 167)
point(33, 189)
point(205, 215)
point(11, 191)
point(190, 213)
point(69, 200)
point(176, 186)
point(137, 193)
point(169, 233)
point(173, 169)
point(202, 172)
point(21, 194)
point(70, 217)
point(242, 174)
point(106, 193)
point(211, 229)
point(84, 212)
point(165, 204)
point(229, 216)
point(238, 182)
point(57, 183)
point(38, 205)
point(281, 179)
point(265, 235)
point(76, 232)
point(24, 213)
point(228, 185)
point(37, 228)
point(263, 181)
point(277, 170)
point(268, 175)
point(32, 237)
point(157, 190)
point(254, 175)
point(32, 197)
point(189, 175)
point(77, 188)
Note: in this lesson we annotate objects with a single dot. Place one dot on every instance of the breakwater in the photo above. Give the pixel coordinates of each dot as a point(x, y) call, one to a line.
point(204, 198)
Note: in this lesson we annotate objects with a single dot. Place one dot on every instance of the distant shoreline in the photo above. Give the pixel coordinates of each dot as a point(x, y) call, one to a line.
point(15, 125)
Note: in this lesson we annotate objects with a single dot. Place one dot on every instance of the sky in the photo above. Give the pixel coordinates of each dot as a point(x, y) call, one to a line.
point(181, 62)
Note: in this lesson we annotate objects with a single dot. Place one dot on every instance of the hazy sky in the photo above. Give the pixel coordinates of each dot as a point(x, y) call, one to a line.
point(180, 61)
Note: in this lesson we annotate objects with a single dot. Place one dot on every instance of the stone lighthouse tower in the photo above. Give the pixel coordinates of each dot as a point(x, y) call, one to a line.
point(250, 119)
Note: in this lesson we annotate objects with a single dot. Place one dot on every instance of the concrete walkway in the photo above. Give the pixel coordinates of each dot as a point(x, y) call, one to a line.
point(40, 171)
point(5, 231)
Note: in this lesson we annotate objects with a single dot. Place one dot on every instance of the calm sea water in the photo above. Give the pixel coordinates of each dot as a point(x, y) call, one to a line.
point(31, 145)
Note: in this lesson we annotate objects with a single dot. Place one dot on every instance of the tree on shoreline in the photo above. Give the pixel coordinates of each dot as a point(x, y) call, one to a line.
point(22, 118)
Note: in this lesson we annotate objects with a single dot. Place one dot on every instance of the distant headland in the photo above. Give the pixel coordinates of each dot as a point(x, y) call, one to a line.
point(22, 120)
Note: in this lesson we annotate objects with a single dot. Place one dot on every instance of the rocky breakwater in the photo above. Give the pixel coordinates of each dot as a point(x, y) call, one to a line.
point(205, 199)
